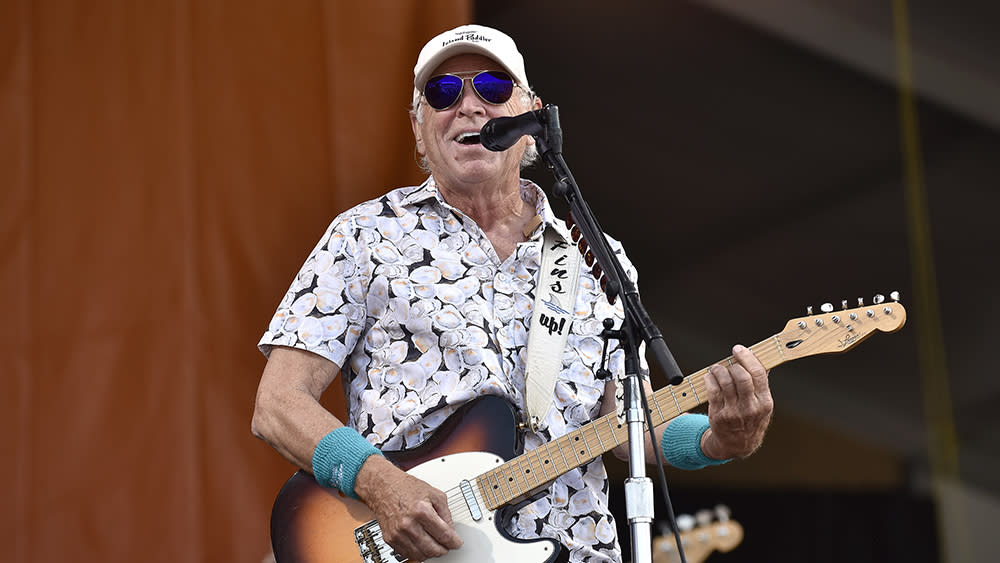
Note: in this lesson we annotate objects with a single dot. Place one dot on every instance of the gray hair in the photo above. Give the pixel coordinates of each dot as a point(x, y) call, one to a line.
point(529, 157)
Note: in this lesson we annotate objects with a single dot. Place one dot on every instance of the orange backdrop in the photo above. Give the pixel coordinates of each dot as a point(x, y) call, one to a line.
point(165, 168)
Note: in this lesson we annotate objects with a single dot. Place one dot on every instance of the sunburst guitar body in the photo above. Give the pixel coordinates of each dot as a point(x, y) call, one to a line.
point(310, 523)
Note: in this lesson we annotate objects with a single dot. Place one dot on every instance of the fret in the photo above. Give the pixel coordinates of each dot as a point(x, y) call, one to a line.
point(496, 485)
point(674, 395)
point(520, 471)
point(778, 347)
point(569, 438)
point(563, 454)
point(502, 473)
point(659, 411)
point(486, 485)
point(614, 431)
point(657, 400)
point(493, 484)
point(513, 474)
point(550, 452)
point(588, 443)
point(494, 497)
point(693, 390)
point(542, 463)
point(599, 440)
point(533, 467)
point(577, 442)
point(488, 493)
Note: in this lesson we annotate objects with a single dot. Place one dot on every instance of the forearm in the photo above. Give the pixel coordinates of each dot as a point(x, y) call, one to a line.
point(707, 446)
point(287, 413)
point(293, 423)
point(609, 406)
point(621, 452)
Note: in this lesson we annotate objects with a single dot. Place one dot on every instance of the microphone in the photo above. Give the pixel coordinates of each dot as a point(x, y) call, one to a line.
point(499, 134)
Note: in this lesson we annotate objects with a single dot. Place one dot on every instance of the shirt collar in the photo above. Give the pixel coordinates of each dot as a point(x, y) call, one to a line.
point(529, 191)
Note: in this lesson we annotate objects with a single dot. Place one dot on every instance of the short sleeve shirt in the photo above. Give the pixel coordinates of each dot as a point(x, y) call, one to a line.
point(406, 294)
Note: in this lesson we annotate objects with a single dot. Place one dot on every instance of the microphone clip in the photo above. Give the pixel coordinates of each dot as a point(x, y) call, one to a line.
point(550, 139)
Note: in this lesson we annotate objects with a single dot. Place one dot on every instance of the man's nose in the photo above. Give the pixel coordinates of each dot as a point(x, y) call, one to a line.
point(470, 102)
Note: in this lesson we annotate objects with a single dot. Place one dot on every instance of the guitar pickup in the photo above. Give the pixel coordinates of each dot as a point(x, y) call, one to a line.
point(470, 499)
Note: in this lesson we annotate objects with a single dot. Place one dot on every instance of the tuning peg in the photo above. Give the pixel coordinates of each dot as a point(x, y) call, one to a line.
point(722, 512)
point(843, 304)
point(861, 301)
point(703, 517)
point(685, 522)
point(894, 296)
point(826, 307)
point(878, 299)
point(809, 310)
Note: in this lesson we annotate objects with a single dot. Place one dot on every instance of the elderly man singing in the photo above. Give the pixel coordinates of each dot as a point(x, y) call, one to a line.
point(422, 300)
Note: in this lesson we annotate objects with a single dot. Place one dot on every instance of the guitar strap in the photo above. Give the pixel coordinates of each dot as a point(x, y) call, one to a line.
point(551, 317)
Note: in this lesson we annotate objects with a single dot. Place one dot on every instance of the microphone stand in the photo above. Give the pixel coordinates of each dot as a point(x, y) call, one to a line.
point(636, 327)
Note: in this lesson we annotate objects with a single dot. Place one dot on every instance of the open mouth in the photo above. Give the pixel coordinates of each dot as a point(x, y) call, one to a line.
point(471, 138)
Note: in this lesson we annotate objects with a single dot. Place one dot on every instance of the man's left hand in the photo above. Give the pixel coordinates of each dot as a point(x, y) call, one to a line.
point(739, 406)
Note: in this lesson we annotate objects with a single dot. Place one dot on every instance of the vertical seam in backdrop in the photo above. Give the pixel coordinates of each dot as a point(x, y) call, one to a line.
point(942, 438)
point(25, 403)
point(188, 174)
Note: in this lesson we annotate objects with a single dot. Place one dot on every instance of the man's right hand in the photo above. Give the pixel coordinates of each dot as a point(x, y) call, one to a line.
point(414, 516)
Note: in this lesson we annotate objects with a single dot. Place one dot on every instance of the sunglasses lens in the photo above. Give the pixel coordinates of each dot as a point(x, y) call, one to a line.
point(442, 91)
point(494, 86)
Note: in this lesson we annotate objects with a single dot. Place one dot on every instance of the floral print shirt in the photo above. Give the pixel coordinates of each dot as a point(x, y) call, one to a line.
point(406, 294)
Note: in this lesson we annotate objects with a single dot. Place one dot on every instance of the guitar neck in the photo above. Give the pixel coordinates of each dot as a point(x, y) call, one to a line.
point(828, 333)
point(671, 401)
point(525, 474)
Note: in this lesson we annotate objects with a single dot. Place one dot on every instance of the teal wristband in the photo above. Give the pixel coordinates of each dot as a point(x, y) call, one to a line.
point(338, 458)
point(681, 443)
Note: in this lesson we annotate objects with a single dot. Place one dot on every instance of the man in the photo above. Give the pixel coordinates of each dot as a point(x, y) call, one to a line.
point(423, 298)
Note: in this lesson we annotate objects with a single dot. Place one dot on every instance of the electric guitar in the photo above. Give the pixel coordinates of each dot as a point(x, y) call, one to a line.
point(474, 457)
point(698, 541)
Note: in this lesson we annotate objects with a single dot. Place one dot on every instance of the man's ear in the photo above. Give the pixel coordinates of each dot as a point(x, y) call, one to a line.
point(535, 104)
point(416, 131)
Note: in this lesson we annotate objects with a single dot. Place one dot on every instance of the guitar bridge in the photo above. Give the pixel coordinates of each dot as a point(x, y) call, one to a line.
point(371, 546)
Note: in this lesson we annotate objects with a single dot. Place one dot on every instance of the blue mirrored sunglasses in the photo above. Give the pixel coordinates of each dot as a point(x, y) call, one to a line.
point(492, 86)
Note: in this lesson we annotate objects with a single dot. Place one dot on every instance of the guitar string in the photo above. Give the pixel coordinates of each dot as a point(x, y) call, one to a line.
point(769, 355)
point(458, 505)
point(611, 434)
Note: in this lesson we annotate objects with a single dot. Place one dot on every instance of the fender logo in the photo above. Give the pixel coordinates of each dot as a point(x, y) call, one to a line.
point(848, 340)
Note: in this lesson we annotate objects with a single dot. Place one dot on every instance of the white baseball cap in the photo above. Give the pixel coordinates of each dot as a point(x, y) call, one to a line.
point(476, 39)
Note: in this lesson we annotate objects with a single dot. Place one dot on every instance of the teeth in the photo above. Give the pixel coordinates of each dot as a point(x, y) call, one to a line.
point(463, 137)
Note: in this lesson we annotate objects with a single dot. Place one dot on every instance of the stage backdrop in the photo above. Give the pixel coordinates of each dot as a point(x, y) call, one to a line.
point(165, 168)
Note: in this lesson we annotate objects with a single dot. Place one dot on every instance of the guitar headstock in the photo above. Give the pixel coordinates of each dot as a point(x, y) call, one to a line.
point(838, 331)
point(699, 541)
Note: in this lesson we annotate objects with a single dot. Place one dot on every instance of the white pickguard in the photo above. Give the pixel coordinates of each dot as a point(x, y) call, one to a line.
point(482, 542)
